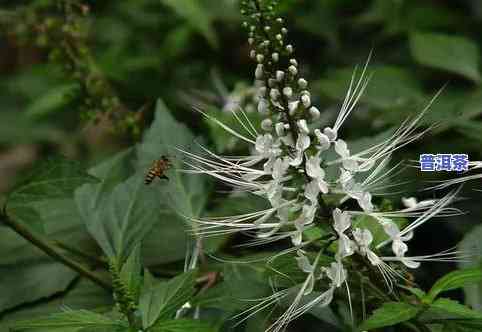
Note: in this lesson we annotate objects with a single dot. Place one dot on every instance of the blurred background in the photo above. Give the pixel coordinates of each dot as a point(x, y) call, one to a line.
point(81, 78)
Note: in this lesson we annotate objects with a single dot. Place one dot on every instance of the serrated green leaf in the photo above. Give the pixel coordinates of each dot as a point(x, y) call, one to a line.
point(185, 194)
point(439, 51)
point(75, 320)
point(130, 273)
point(182, 325)
point(471, 243)
point(390, 313)
point(454, 280)
point(26, 273)
point(196, 16)
point(182, 195)
point(83, 295)
point(445, 309)
point(462, 326)
point(43, 203)
point(51, 179)
point(161, 300)
point(120, 220)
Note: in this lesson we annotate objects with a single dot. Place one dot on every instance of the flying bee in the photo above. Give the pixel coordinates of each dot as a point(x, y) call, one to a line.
point(158, 168)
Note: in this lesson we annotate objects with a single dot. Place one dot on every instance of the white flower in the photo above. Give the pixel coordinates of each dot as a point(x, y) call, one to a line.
point(304, 263)
point(342, 222)
point(306, 217)
point(303, 126)
point(398, 243)
point(312, 190)
point(336, 273)
point(314, 171)
point(355, 191)
point(280, 167)
point(323, 141)
point(330, 133)
point(363, 238)
point(302, 143)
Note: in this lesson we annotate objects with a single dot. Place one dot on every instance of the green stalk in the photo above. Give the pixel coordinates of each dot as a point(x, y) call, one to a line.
point(51, 250)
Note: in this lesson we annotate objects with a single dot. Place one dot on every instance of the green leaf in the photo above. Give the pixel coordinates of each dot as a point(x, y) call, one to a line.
point(471, 243)
point(454, 280)
point(70, 319)
point(120, 219)
point(130, 272)
point(390, 313)
point(51, 179)
point(444, 309)
point(463, 326)
point(26, 273)
point(161, 300)
point(83, 295)
point(196, 16)
point(183, 325)
point(455, 54)
point(43, 202)
point(182, 195)
point(185, 194)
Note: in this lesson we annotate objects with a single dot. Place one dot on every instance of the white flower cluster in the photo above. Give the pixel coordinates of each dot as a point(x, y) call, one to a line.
point(288, 167)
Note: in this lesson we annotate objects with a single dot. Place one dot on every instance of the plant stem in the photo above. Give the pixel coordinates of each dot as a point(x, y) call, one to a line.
point(51, 250)
point(326, 210)
point(96, 261)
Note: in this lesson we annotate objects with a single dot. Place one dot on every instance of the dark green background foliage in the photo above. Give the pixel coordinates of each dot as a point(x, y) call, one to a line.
point(97, 107)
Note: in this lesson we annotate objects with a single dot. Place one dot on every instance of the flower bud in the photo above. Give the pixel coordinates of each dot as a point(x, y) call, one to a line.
point(302, 83)
point(289, 48)
point(293, 70)
point(306, 100)
point(260, 58)
point(293, 107)
point(303, 126)
point(314, 112)
point(280, 130)
point(274, 94)
point(288, 92)
point(280, 75)
point(294, 62)
point(259, 72)
point(262, 91)
point(263, 107)
point(275, 57)
point(267, 124)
